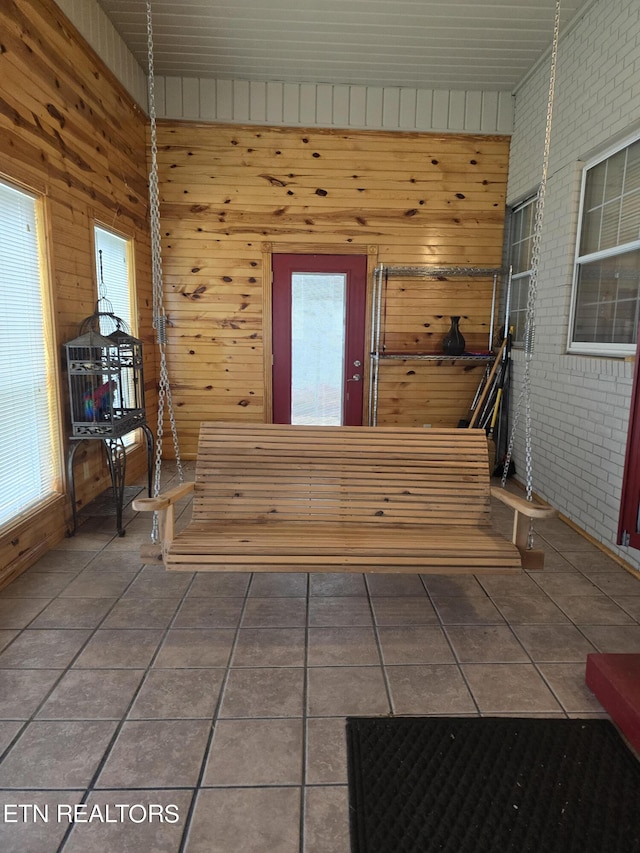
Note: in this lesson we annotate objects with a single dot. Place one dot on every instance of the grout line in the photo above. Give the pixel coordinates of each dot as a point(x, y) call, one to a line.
point(214, 720)
point(305, 715)
point(461, 671)
point(383, 667)
point(66, 670)
point(123, 719)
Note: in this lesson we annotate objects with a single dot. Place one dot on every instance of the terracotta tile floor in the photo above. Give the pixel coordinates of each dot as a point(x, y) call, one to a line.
point(205, 713)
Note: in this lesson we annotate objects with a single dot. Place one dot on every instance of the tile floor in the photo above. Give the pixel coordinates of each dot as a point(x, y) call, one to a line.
point(205, 713)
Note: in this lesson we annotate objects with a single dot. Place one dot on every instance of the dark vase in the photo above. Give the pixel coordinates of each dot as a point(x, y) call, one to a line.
point(453, 343)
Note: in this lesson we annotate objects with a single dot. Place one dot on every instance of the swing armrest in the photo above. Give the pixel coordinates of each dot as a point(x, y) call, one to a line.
point(523, 506)
point(164, 505)
point(164, 500)
point(524, 512)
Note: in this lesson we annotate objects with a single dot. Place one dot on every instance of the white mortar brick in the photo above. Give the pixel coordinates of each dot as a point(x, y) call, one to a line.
point(580, 403)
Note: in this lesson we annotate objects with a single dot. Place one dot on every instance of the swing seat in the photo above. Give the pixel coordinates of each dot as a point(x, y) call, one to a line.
point(271, 497)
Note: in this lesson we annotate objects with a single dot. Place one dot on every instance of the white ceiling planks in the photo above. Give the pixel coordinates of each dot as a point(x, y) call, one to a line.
point(432, 44)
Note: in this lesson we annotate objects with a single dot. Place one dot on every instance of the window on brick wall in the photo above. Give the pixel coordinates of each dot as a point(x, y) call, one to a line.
point(29, 436)
point(606, 290)
point(520, 246)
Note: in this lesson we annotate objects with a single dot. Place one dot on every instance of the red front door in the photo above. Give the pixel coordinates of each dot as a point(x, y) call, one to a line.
point(318, 338)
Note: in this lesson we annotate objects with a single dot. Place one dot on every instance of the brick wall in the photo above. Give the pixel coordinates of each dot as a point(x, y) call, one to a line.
point(580, 404)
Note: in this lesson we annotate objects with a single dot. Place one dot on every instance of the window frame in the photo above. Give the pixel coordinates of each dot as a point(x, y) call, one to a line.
point(133, 439)
point(595, 348)
point(132, 320)
point(530, 199)
point(50, 357)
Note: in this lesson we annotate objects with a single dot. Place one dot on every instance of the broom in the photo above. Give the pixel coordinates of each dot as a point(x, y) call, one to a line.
point(503, 397)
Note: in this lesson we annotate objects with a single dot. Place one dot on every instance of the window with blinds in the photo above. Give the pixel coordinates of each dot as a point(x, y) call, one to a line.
point(606, 296)
point(29, 445)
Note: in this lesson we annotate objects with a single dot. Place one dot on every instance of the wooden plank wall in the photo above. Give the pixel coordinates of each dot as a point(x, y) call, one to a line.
point(231, 193)
point(416, 316)
point(70, 132)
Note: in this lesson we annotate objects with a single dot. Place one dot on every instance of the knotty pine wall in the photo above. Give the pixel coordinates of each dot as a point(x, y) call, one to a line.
point(415, 316)
point(231, 195)
point(69, 131)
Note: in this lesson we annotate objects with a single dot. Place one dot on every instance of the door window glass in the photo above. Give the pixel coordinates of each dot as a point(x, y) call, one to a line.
point(317, 348)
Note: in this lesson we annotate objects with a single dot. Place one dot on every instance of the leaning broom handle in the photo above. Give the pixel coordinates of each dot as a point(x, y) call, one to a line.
point(483, 397)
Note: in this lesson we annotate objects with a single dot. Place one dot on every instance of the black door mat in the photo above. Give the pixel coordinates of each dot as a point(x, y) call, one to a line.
point(491, 785)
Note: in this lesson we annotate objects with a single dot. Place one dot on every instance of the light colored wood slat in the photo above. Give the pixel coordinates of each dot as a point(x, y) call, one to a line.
point(336, 178)
point(216, 430)
point(384, 568)
point(423, 398)
point(314, 533)
point(461, 443)
point(449, 443)
point(279, 466)
point(275, 139)
point(333, 515)
point(301, 469)
point(334, 506)
point(381, 512)
point(442, 559)
point(341, 503)
point(273, 463)
point(416, 489)
point(256, 486)
point(349, 452)
point(188, 239)
point(368, 545)
point(247, 490)
point(324, 561)
point(303, 505)
point(375, 512)
point(262, 196)
point(399, 161)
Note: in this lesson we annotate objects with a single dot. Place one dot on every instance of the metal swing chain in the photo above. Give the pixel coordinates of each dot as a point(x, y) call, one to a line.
point(529, 335)
point(159, 315)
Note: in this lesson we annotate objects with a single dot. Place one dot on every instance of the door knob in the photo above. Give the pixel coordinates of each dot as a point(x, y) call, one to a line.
point(355, 378)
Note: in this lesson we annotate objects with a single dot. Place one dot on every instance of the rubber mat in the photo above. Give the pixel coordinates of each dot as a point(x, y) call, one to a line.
point(491, 785)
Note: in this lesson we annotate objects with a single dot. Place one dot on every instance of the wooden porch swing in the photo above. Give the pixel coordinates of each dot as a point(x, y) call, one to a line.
point(271, 497)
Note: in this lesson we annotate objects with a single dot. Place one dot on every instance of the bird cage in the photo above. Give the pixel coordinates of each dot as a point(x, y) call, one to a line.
point(106, 382)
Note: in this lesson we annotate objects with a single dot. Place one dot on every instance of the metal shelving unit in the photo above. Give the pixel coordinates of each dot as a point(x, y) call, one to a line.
point(382, 274)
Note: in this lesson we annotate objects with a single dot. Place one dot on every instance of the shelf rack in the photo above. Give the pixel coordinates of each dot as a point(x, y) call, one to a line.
point(382, 273)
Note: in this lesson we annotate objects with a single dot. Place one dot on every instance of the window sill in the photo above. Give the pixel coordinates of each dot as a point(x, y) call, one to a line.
point(620, 354)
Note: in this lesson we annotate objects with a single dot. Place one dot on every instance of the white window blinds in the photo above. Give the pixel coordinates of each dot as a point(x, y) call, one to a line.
point(606, 297)
point(28, 450)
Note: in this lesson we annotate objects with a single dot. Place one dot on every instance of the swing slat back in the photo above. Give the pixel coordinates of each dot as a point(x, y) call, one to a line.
point(368, 475)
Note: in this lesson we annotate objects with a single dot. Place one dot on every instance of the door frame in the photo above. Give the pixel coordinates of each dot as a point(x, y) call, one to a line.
point(628, 534)
point(271, 249)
